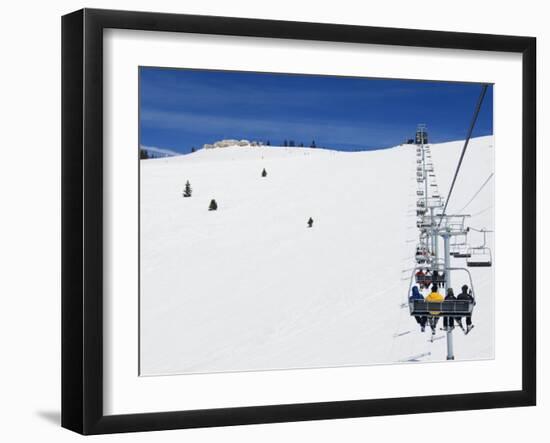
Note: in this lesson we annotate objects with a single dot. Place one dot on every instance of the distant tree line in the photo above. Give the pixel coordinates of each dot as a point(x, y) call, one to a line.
point(290, 143)
point(144, 154)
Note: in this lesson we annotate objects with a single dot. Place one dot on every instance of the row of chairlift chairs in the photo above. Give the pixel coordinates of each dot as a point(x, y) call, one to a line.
point(477, 256)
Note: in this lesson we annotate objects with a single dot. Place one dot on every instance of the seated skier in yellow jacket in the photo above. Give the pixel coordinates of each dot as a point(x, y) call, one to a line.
point(434, 296)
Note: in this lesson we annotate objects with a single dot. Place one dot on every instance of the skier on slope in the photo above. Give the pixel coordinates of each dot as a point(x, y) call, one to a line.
point(434, 296)
point(466, 296)
point(416, 295)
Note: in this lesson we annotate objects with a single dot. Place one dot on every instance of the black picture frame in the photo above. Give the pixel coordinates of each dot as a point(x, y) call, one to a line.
point(82, 218)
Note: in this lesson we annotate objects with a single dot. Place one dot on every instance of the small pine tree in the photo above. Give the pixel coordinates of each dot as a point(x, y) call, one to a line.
point(193, 149)
point(310, 222)
point(313, 144)
point(213, 205)
point(264, 173)
point(268, 143)
point(301, 145)
point(143, 154)
point(285, 143)
point(187, 191)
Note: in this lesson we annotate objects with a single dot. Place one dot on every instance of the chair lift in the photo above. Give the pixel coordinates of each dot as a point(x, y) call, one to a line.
point(435, 202)
point(438, 278)
point(449, 308)
point(422, 277)
point(422, 254)
point(434, 273)
point(423, 223)
point(480, 256)
point(461, 252)
point(459, 246)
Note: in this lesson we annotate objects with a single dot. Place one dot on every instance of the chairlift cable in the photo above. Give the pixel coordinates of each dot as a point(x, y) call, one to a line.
point(477, 192)
point(472, 124)
point(482, 211)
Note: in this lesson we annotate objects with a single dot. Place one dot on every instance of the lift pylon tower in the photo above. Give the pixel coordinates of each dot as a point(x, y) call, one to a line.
point(447, 227)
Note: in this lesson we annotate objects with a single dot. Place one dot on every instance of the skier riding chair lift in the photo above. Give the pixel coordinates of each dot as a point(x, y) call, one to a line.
point(435, 306)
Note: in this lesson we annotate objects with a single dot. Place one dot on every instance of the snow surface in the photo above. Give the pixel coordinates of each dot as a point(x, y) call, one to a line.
point(250, 287)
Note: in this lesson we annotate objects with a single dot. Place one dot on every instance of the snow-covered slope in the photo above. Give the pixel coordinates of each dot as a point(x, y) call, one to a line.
point(250, 287)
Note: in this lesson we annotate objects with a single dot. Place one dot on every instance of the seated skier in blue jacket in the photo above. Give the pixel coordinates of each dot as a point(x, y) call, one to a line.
point(416, 295)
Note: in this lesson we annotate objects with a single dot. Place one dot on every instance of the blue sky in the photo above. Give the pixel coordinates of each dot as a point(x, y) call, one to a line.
point(182, 108)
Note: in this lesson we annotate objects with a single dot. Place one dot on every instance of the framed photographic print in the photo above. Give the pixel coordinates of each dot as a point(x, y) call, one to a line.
point(269, 221)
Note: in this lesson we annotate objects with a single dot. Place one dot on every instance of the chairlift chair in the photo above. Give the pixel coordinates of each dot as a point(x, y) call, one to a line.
point(422, 277)
point(423, 223)
point(479, 257)
point(459, 246)
point(438, 278)
point(422, 254)
point(449, 308)
point(461, 252)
